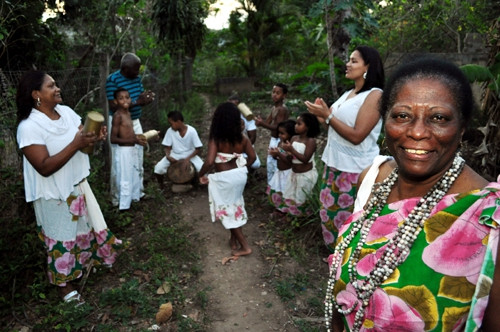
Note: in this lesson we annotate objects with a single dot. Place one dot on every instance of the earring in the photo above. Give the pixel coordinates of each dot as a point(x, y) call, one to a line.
point(364, 75)
point(38, 102)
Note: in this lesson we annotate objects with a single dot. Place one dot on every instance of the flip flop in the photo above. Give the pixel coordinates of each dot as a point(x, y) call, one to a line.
point(74, 296)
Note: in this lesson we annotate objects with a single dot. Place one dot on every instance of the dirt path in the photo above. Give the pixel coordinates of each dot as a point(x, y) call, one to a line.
point(239, 296)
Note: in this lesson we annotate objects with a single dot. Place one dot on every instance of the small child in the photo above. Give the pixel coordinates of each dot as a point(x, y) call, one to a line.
point(182, 145)
point(278, 113)
point(125, 156)
point(304, 174)
point(226, 145)
point(286, 130)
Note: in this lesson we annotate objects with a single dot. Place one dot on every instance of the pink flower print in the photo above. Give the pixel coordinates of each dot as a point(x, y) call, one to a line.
point(276, 198)
point(329, 181)
point(327, 235)
point(50, 242)
point(343, 182)
point(345, 200)
point(69, 245)
point(340, 218)
point(323, 214)
point(101, 236)
point(353, 177)
point(83, 241)
point(268, 190)
point(107, 254)
point(78, 206)
point(84, 258)
point(293, 210)
point(325, 197)
point(65, 263)
point(385, 227)
point(219, 214)
point(383, 313)
point(466, 240)
point(324, 172)
point(239, 212)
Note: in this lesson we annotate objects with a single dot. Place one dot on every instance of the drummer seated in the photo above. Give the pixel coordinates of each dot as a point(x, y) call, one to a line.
point(182, 145)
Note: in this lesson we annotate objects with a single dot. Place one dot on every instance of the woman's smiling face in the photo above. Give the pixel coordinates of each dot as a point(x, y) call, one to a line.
point(423, 129)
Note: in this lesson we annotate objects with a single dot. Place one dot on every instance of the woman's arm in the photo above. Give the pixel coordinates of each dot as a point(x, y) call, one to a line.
point(366, 119)
point(46, 165)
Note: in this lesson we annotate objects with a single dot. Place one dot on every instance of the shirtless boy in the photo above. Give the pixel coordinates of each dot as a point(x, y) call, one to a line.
point(125, 159)
point(278, 114)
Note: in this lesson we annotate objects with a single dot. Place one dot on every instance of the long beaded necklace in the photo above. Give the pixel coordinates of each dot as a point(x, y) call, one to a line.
point(397, 249)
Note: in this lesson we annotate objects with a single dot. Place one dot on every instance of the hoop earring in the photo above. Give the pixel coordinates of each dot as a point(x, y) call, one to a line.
point(364, 75)
point(38, 102)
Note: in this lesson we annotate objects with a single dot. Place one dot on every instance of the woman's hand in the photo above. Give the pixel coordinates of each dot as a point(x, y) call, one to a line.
point(318, 108)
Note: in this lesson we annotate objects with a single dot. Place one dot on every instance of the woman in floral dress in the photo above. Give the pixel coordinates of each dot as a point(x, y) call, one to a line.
point(354, 126)
point(421, 254)
point(69, 219)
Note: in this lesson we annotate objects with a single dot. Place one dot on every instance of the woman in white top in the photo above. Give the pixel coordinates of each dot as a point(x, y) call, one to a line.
point(69, 220)
point(354, 126)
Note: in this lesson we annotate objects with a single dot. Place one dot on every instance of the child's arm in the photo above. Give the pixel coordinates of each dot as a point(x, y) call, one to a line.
point(115, 128)
point(209, 161)
point(308, 152)
point(272, 124)
point(250, 152)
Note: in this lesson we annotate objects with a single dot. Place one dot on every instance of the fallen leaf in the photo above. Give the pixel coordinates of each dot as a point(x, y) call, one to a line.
point(225, 260)
point(164, 313)
point(164, 288)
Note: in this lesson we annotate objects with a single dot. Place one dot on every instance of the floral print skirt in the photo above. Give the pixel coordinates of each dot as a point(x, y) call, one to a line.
point(337, 195)
point(74, 239)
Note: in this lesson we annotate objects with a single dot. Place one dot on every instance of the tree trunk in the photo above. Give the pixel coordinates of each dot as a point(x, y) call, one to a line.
point(337, 40)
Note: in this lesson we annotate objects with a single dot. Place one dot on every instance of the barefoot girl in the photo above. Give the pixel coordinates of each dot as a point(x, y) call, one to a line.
point(286, 130)
point(226, 147)
point(303, 177)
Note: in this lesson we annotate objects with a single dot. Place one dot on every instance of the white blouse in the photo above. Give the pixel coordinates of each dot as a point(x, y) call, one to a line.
point(339, 152)
point(39, 129)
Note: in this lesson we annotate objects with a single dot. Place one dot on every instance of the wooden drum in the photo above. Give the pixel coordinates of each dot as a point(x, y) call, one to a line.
point(177, 174)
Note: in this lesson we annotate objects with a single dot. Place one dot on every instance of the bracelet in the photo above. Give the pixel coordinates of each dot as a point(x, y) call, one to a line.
point(329, 118)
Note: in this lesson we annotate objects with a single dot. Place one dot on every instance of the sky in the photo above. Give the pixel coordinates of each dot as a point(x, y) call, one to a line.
point(220, 21)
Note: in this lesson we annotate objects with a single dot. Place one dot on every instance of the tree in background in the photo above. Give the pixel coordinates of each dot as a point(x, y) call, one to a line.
point(180, 26)
point(22, 29)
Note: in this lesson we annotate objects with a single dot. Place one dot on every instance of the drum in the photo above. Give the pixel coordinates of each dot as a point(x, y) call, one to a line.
point(247, 113)
point(93, 123)
point(177, 174)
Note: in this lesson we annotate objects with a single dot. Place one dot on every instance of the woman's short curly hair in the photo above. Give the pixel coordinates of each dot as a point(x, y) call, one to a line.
point(436, 69)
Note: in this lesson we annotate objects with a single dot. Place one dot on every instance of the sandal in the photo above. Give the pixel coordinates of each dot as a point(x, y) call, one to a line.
point(74, 296)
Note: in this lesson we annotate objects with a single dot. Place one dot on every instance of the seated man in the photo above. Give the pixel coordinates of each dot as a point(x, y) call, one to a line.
point(182, 145)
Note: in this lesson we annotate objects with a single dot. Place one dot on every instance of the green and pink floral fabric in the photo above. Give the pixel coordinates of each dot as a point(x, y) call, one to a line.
point(444, 283)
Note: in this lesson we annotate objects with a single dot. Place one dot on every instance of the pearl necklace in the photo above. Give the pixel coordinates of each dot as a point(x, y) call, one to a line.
point(397, 248)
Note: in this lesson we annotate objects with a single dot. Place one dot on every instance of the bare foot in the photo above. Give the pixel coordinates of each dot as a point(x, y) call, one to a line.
point(233, 243)
point(241, 252)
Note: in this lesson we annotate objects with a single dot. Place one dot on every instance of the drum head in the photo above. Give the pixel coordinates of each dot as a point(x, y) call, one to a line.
point(177, 174)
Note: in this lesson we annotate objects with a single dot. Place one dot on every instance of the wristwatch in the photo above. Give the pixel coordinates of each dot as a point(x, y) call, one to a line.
point(327, 121)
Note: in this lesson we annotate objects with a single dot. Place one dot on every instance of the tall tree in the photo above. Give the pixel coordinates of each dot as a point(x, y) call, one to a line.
point(180, 27)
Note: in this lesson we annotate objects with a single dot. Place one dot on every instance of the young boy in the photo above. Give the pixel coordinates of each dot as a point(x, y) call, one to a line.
point(182, 145)
point(279, 113)
point(125, 159)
